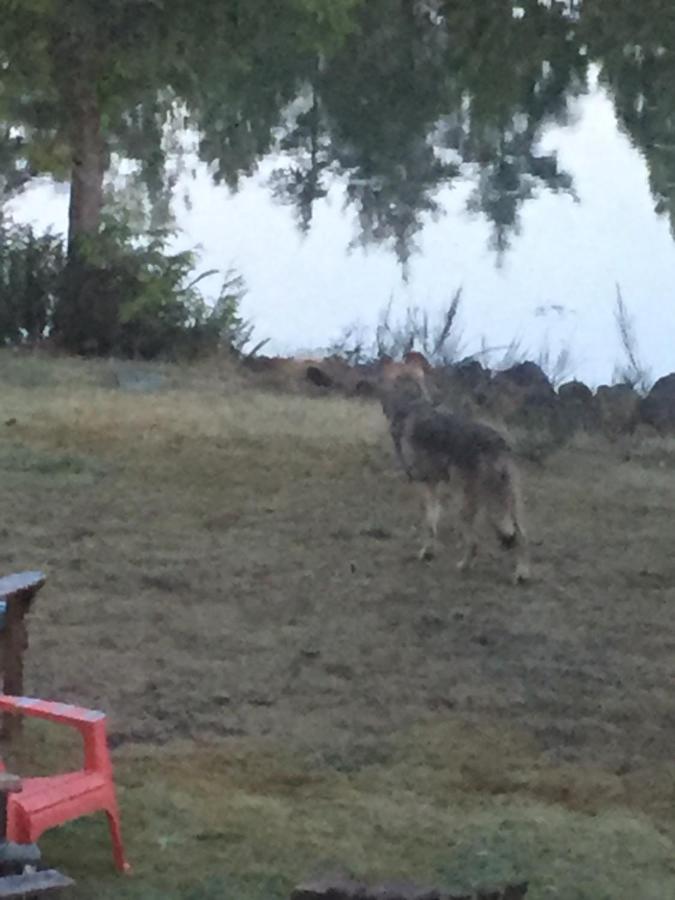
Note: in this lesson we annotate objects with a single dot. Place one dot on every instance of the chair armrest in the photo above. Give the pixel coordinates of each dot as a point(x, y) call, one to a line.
point(62, 713)
point(9, 784)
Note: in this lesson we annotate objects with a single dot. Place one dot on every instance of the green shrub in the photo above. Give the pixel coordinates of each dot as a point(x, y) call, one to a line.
point(30, 272)
point(119, 294)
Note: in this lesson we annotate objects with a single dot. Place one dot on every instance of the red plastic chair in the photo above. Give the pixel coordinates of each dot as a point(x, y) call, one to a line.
point(50, 801)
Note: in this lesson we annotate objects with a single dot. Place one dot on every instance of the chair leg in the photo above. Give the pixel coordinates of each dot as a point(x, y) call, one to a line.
point(116, 838)
point(19, 828)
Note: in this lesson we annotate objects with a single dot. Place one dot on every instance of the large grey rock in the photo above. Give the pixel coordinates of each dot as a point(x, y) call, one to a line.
point(658, 407)
point(577, 406)
point(618, 407)
point(527, 375)
point(523, 397)
point(576, 392)
point(471, 374)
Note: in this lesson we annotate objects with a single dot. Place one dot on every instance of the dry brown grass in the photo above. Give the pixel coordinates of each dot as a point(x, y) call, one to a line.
point(231, 577)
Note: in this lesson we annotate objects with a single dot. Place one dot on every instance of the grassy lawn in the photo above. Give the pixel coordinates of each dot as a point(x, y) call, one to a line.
point(231, 576)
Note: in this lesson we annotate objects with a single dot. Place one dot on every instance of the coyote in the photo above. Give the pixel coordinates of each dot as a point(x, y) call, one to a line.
point(432, 443)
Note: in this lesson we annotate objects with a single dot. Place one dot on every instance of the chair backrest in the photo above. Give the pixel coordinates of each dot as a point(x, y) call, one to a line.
point(16, 592)
point(23, 585)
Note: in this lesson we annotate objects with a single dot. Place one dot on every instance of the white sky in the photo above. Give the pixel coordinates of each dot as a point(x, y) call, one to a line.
point(304, 292)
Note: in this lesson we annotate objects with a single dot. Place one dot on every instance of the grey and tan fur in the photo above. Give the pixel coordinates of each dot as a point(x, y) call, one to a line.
point(433, 445)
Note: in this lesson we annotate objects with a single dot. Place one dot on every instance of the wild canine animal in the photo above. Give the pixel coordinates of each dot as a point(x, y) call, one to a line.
point(431, 444)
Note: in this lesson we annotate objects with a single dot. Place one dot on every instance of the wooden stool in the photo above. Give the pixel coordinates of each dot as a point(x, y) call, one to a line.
point(16, 596)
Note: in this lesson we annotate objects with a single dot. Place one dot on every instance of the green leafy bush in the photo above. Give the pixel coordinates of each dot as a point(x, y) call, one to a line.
point(120, 294)
point(30, 272)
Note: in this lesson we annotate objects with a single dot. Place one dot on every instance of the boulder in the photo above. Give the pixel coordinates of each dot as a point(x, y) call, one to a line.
point(523, 395)
point(577, 407)
point(576, 392)
point(293, 372)
point(317, 376)
point(658, 407)
point(462, 386)
point(471, 375)
point(618, 408)
point(528, 376)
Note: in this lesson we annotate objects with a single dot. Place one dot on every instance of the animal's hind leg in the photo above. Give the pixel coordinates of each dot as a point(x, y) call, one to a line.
point(432, 517)
point(468, 515)
point(508, 521)
point(522, 570)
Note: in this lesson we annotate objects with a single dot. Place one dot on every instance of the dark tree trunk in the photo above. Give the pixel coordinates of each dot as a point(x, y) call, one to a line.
point(88, 169)
point(86, 317)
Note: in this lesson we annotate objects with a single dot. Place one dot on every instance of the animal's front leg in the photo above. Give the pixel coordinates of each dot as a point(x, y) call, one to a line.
point(398, 448)
point(468, 518)
point(432, 517)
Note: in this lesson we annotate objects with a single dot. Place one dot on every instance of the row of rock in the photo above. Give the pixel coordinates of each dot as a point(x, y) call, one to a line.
point(524, 395)
point(521, 394)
